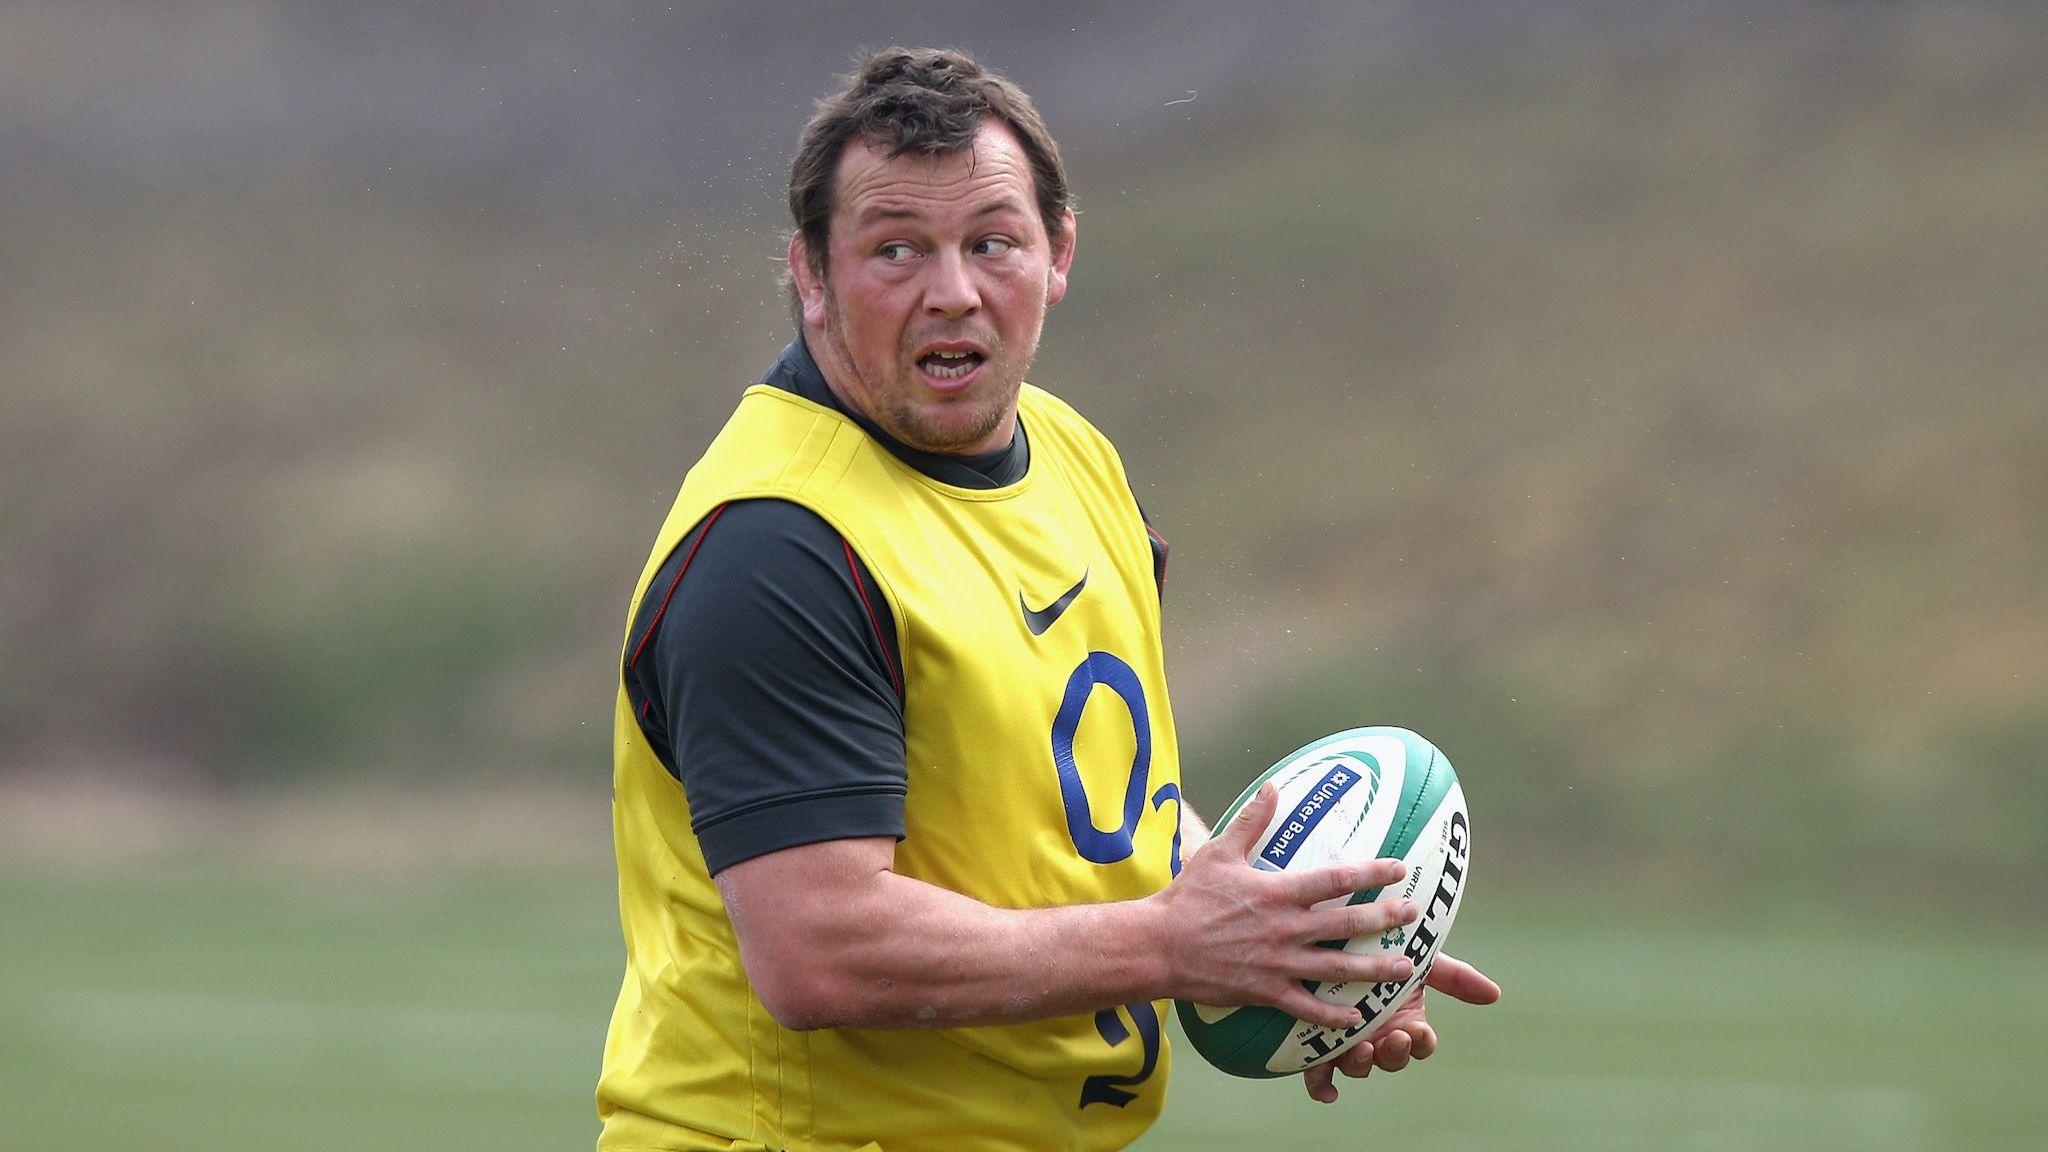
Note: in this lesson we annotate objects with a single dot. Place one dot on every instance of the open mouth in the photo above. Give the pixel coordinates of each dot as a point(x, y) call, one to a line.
point(949, 365)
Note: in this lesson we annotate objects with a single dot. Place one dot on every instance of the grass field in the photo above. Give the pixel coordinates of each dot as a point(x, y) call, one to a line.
point(207, 1010)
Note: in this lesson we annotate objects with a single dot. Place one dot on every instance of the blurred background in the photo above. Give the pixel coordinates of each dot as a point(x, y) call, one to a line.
point(1645, 402)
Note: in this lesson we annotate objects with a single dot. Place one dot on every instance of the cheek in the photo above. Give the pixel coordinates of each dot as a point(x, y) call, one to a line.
point(1024, 292)
point(869, 319)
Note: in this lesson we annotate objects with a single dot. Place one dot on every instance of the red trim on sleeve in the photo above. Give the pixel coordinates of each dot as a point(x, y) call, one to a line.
point(658, 613)
point(1165, 553)
point(874, 621)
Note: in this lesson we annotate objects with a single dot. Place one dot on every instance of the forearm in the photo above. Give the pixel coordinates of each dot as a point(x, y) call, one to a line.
point(1193, 832)
point(869, 948)
point(832, 937)
point(925, 957)
point(920, 956)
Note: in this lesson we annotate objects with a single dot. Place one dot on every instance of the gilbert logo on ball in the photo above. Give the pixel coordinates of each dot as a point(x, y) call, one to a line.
point(1359, 795)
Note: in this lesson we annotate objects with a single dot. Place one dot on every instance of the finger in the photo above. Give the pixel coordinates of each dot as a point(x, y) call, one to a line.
point(1320, 884)
point(1392, 1050)
point(1336, 966)
point(1348, 920)
point(1410, 1010)
point(1243, 830)
point(1424, 1038)
point(1319, 1082)
point(1453, 977)
point(1298, 1003)
point(1356, 1062)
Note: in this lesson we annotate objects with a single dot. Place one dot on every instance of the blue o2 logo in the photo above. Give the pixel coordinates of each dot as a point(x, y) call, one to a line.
point(1115, 845)
point(1112, 1089)
point(1095, 845)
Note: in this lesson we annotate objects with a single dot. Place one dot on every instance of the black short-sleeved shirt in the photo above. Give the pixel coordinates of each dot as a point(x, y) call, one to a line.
point(764, 667)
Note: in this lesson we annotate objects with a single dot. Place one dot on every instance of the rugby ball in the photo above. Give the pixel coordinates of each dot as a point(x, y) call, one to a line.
point(1360, 795)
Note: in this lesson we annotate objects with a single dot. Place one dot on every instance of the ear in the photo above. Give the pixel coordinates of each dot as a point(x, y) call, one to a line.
point(810, 287)
point(1062, 258)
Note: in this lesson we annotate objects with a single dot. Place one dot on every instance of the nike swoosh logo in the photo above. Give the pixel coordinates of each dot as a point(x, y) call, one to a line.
point(1042, 619)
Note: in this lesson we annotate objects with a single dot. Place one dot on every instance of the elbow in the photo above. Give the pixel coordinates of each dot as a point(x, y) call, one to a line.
point(802, 998)
point(807, 922)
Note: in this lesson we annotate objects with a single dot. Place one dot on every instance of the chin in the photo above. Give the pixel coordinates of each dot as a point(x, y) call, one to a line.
point(956, 433)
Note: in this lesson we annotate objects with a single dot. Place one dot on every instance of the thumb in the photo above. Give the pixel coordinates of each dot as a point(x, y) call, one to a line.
point(1244, 828)
point(1455, 978)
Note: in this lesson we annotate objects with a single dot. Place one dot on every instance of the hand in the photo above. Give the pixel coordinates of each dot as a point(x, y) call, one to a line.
point(1234, 934)
point(1407, 1035)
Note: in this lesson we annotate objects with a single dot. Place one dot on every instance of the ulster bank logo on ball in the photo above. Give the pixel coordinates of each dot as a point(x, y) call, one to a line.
point(1359, 795)
point(1344, 770)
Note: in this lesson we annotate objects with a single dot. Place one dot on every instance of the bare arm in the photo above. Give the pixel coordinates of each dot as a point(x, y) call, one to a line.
point(832, 937)
point(1193, 832)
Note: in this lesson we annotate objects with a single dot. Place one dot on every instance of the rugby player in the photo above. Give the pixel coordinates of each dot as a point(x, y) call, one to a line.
point(903, 859)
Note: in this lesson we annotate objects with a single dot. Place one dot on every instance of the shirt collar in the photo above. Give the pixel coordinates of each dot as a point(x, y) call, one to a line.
point(796, 371)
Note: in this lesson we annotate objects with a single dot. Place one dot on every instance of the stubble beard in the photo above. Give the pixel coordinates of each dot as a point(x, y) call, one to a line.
point(890, 405)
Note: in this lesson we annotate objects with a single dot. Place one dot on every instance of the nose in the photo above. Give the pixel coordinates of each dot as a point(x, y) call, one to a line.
point(949, 289)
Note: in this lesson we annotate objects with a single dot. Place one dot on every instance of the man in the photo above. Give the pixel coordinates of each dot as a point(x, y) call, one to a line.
point(894, 872)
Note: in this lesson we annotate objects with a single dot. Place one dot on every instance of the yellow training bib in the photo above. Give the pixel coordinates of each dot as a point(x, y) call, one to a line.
point(1042, 767)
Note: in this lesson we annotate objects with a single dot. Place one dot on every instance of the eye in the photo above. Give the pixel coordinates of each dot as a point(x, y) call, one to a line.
point(992, 246)
point(896, 252)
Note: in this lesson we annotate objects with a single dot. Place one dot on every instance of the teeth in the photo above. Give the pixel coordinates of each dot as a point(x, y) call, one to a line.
point(951, 365)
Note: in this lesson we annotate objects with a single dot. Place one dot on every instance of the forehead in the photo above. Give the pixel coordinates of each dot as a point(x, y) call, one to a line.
point(874, 186)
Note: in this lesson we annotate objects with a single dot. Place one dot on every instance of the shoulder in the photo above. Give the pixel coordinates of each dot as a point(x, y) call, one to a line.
point(748, 559)
point(1033, 400)
point(757, 643)
point(1055, 424)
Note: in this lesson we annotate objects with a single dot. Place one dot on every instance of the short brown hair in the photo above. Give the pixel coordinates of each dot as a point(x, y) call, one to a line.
point(925, 100)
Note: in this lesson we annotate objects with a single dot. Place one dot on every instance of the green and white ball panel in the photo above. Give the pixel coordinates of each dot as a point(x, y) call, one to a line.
point(1359, 795)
